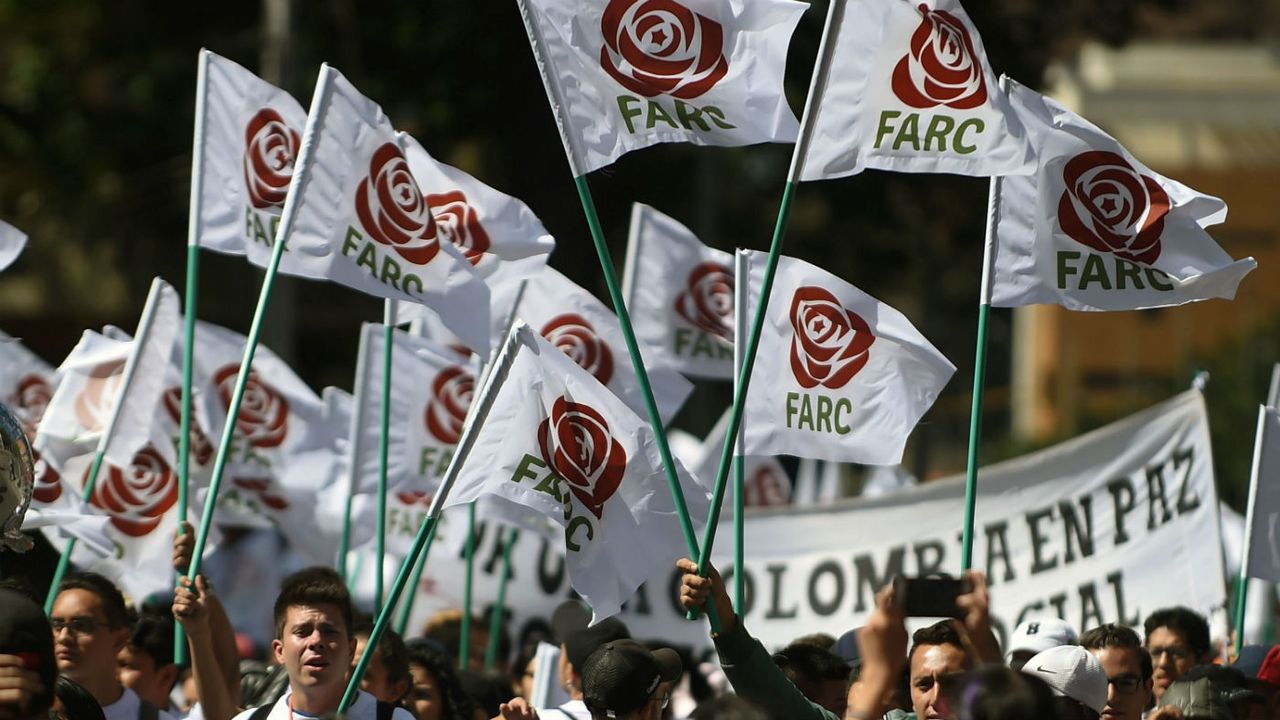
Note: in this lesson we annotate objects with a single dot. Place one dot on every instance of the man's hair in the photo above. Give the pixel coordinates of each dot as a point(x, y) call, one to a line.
point(77, 702)
point(153, 635)
point(1190, 623)
point(391, 651)
point(808, 666)
point(939, 633)
point(312, 587)
point(729, 707)
point(996, 692)
point(1113, 635)
point(113, 605)
point(819, 639)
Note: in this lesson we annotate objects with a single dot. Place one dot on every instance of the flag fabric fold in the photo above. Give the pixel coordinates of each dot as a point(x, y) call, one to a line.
point(905, 85)
point(558, 443)
point(359, 216)
point(572, 319)
point(679, 293)
point(12, 242)
point(627, 74)
point(839, 375)
point(1095, 229)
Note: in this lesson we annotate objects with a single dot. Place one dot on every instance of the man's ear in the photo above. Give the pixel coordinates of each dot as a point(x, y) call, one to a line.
point(400, 688)
point(168, 675)
point(277, 651)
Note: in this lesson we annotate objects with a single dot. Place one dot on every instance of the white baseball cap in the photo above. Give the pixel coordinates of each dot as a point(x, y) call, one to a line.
point(1071, 671)
point(1039, 635)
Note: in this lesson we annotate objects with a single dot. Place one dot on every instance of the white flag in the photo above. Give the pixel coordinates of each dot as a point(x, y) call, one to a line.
point(80, 408)
point(1095, 229)
point(252, 133)
point(284, 444)
point(27, 382)
point(680, 296)
point(431, 388)
point(839, 375)
point(360, 218)
point(498, 234)
point(765, 481)
point(1264, 503)
point(12, 243)
point(626, 74)
point(559, 443)
point(153, 354)
point(908, 88)
point(573, 320)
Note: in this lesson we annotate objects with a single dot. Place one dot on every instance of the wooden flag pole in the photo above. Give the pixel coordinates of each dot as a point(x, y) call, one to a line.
point(384, 444)
point(319, 100)
point(979, 374)
point(495, 619)
point(482, 404)
point(189, 321)
point(145, 321)
point(355, 448)
point(816, 84)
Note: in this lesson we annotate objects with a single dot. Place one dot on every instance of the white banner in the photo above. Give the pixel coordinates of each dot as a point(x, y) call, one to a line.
point(1107, 527)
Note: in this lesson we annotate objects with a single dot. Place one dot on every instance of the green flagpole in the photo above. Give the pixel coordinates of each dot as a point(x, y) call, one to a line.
point(482, 404)
point(406, 605)
point(495, 619)
point(127, 374)
point(384, 444)
point(318, 101)
point(979, 374)
point(189, 321)
point(816, 87)
point(355, 451)
point(555, 96)
point(469, 552)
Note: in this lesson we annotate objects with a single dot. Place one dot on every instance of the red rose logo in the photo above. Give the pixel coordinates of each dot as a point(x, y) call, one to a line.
point(200, 448)
point(263, 419)
point(392, 210)
point(262, 488)
point(656, 47)
point(575, 336)
point(270, 149)
point(415, 497)
point(457, 223)
point(98, 396)
point(577, 445)
point(136, 498)
point(30, 398)
point(707, 301)
point(1109, 207)
point(48, 484)
point(941, 67)
point(830, 344)
point(447, 408)
point(765, 489)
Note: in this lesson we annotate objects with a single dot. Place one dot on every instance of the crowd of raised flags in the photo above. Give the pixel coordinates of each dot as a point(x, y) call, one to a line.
point(527, 392)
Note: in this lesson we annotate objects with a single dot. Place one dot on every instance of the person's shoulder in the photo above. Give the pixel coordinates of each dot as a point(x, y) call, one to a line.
point(167, 715)
point(247, 713)
point(401, 714)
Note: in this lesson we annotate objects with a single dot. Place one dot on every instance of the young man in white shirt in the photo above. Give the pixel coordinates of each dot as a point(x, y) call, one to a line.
point(90, 627)
point(314, 642)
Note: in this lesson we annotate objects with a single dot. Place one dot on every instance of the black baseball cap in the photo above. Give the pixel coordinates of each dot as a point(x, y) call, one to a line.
point(620, 676)
point(580, 643)
point(25, 632)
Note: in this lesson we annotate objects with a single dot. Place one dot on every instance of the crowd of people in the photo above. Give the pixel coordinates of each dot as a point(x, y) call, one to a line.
point(96, 658)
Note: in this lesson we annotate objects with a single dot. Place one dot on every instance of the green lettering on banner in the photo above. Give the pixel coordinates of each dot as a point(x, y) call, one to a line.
point(717, 117)
point(368, 259)
point(656, 113)
point(1126, 270)
point(1095, 271)
point(939, 126)
point(695, 343)
point(908, 132)
point(958, 143)
point(690, 116)
point(1153, 276)
point(885, 127)
point(522, 470)
point(571, 530)
point(259, 232)
point(1065, 267)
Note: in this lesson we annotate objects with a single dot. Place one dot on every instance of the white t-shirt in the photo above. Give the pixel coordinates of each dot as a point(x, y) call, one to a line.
point(126, 708)
point(364, 708)
point(575, 709)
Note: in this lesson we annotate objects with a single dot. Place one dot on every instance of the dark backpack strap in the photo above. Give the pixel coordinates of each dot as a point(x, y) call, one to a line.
point(261, 712)
point(147, 711)
point(386, 710)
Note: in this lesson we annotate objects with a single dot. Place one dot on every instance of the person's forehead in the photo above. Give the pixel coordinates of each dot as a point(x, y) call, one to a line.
point(1165, 636)
point(1117, 660)
point(136, 655)
point(322, 613)
point(937, 659)
point(78, 602)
